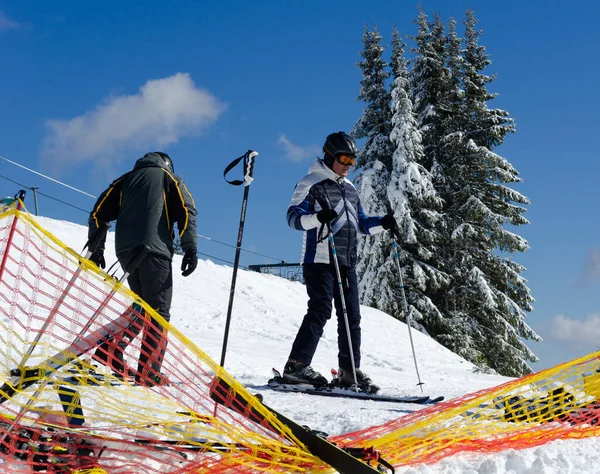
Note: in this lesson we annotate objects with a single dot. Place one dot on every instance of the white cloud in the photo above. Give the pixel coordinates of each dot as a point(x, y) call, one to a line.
point(162, 112)
point(7, 24)
point(297, 153)
point(576, 331)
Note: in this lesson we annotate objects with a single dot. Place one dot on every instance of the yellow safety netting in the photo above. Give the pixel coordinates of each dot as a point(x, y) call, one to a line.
point(557, 403)
point(53, 307)
point(55, 399)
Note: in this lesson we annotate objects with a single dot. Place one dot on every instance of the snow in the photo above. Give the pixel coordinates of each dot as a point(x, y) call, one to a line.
point(266, 313)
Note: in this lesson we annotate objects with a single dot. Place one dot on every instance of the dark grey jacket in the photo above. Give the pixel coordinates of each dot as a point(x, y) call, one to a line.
point(146, 203)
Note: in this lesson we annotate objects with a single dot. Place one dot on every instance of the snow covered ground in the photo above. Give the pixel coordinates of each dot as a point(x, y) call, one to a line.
point(266, 314)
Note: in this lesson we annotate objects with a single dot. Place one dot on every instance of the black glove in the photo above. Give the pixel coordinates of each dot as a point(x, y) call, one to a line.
point(388, 222)
point(325, 216)
point(98, 259)
point(189, 262)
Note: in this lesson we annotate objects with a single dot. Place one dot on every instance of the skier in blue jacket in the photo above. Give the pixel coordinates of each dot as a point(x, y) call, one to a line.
point(325, 199)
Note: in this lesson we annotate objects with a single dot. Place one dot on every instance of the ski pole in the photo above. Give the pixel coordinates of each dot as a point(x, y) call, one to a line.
point(19, 197)
point(248, 158)
point(343, 300)
point(407, 313)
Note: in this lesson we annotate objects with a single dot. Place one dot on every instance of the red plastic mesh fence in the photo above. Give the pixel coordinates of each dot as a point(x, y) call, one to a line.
point(558, 403)
point(62, 409)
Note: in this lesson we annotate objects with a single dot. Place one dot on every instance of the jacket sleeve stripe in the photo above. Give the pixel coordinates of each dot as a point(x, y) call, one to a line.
point(96, 210)
point(166, 209)
point(301, 209)
point(186, 209)
point(189, 194)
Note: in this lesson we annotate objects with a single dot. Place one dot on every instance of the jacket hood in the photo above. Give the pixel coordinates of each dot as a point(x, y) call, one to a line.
point(153, 159)
point(319, 167)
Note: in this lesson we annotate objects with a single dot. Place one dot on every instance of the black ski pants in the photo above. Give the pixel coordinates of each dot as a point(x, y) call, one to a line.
point(152, 280)
point(322, 287)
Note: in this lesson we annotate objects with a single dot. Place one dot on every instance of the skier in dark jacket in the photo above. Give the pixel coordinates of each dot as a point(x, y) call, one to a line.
point(325, 199)
point(146, 203)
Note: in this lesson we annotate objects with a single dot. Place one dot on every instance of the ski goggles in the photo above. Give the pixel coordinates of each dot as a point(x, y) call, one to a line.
point(346, 160)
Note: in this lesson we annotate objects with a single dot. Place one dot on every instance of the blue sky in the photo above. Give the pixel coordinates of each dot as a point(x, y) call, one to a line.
point(86, 88)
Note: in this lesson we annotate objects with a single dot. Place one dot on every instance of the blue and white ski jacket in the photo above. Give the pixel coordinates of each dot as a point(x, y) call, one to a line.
point(321, 189)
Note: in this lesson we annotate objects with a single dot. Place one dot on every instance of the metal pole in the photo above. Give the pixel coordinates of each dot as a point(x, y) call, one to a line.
point(20, 197)
point(35, 201)
point(407, 313)
point(234, 277)
point(249, 166)
point(345, 311)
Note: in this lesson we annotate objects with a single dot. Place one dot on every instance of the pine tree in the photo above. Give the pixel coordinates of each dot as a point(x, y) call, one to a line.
point(415, 203)
point(455, 330)
point(488, 299)
point(375, 123)
point(485, 306)
point(429, 82)
point(371, 185)
point(461, 283)
point(374, 157)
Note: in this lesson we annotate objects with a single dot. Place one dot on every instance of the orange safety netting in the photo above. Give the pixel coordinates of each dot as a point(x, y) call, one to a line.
point(63, 411)
point(557, 403)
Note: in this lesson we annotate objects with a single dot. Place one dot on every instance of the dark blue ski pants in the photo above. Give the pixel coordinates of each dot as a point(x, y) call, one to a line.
point(322, 287)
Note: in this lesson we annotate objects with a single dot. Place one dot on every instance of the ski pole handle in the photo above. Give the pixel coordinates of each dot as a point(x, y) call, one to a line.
point(249, 167)
point(248, 158)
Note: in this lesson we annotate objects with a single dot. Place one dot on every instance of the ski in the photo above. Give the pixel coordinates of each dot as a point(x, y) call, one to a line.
point(61, 449)
point(279, 384)
point(92, 379)
point(345, 460)
point(97, 380)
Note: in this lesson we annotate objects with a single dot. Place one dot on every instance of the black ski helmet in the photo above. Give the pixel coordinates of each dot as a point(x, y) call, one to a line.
point(338, 143)
point(167, 158)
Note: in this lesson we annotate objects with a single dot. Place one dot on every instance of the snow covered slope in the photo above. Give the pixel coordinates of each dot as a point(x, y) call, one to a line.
point(266, 314)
